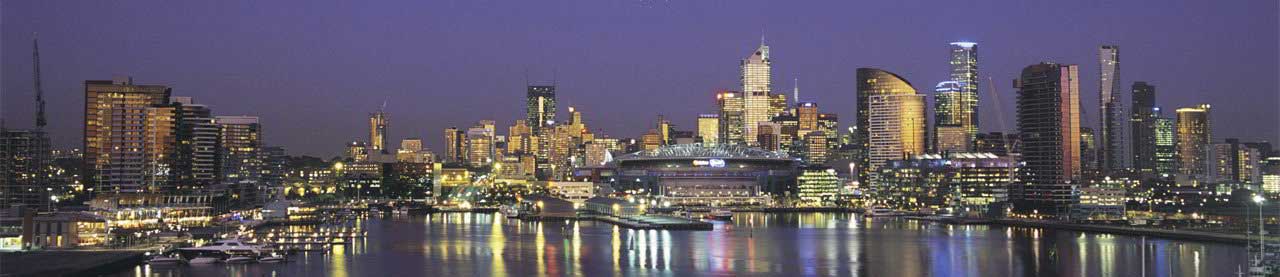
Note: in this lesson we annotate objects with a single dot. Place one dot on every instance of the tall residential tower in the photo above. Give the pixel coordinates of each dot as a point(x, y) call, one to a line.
point(1049, 122)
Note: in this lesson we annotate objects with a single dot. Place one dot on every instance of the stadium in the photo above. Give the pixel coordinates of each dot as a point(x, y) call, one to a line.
point(697, 175)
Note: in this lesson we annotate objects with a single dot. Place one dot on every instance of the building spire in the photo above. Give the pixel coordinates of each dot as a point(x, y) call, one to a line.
point(35, 58)
point(795, 91)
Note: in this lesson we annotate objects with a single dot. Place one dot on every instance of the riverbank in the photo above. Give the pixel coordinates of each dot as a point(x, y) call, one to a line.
point(1134, 231)
point(67, 262)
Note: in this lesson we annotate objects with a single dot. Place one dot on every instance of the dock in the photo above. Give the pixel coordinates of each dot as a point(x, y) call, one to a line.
point(951, 220)
point(67, 262)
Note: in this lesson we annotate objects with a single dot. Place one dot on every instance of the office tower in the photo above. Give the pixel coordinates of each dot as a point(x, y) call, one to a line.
point(818, 148)
point(114, 144)
point(198, 161)
point(454, 145)
point(160, 145)
point(896, 128)
point(1193, 133)
point(1114, 142)
point(789, 127)
point(732, 120)
point(479, 144)
point(664, 130)
point(275, 164)
point(378, 132)
point(768, 135)
point(1142, 127)
point(1166, 150)
point(952, 117)
point(777, 104)
point(962, 108)
point(357, 151)
point(1049, 123)
point(829, 124)
point(24, 163)
point(817, 184)
point(807, 118)
point(1089, 153)
point(540, 107)
point(876, 82)
point(241, 140)
point(756, 84)
point(709, 128)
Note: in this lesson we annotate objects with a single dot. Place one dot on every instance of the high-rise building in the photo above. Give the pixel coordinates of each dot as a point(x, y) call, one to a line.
point(962, 102)
point(540, 107)
point(768, 135)
point(998, 143)
point(1114, 142)
point(1049, 123)
point(521, 139)
point(818, 148)
point(1232, 162)
point(732, 120)
point(807, 118)
point(160, 135)
point(664, 130)
point(876, 82)
point(817, 184)
point(378, 132)
point(1089, 153)
point(896, 126)
point(455, 142)
point(115, 145)
point(777, 104)
point(756, 84)
point(1142, 127)
point(241, 140)
point(1193, 133)
point(479, 150)
point(709, 129)
point(24, 168)
point(199, 162)
point(1166, 151)
point(952, 118)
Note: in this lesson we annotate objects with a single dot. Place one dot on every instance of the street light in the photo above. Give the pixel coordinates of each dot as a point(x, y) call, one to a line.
point(1262, 244)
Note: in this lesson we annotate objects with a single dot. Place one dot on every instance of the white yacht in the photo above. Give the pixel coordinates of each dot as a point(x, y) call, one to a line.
point(224, 248)
point(880, 211)
point(720, 214)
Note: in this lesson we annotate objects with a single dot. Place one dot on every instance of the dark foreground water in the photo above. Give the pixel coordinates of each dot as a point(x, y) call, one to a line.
point(754, 244)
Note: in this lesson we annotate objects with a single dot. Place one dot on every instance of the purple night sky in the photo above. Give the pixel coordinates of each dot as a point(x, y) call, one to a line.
point(313, 70)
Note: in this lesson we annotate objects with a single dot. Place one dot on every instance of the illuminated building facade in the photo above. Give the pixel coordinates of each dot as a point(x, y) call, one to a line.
point(1166, 150)
point(1114, 138)
point(1193, 131)
point(1049, 123)
point(479, 144)
point(709, 128)
point(1142, 126)
point(732, 120)
point(876, 82)
point(378, 132)
point(952, 118)
point(24, 168)
point(115, 145)
point(960, 183)
point(896, 128)
point(817, 147)
point(198, 143)
point(455, 145)
point(962, 108)
point(756, 87)
point(768, 135)
point(242, 161)
point(817, 185)
point(540, 107)
point(696, 175)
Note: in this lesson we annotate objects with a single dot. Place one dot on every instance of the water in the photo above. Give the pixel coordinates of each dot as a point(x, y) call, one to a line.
point(754, 244)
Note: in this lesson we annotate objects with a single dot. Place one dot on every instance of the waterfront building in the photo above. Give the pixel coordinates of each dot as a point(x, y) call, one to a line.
point(1232, 162)
point(959, 183)
point(756, 87)
point(1270, 171)
point(698, 175)
point(1114, 142)
point(1103, 200)
point(576, 192)
point(540, 107)
point(876, 82)
point(817, 148)
point(732, 120)
point(1049, 124)
point(817, 185)
point(153, 211)
point(65, 230)
point(378, 132)
point(961, 107)
point(1143, 128)
point(1193, 133)
point(896, 128)
point(240, 138)
point(116, 148)
point(25, 163)
point(709, 128)
point(198, 161)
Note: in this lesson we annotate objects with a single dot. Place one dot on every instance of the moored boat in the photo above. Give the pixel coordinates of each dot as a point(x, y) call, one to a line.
point(720, 214)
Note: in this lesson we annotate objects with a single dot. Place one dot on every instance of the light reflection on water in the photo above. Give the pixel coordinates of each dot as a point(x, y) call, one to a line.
point(460, 244)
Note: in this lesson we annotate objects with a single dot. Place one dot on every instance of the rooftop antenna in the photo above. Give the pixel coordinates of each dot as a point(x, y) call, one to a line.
point(35, 57)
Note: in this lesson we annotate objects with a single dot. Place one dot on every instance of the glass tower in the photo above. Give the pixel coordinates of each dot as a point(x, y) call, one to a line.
point(756, 78)
point(1193, 133)
point(963, 110)
point(1114, 147)
point(540, 107)
point(1049, 123)
point(873, 82)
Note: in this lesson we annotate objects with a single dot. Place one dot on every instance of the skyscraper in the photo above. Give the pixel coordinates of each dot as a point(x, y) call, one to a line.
point(952, 117)
point(896, 128)
point(1143, 128)
point(241, 140)
point(1166, 155)
point(480, 151)
point(1193, 133)
point(1049, 122)
point(731, 117)
point(1114, 142)
point(874, 82)
point(756, 83)
point(454, 145)
point(24, 163)
point(199, 162)
point(378, 132)
point(962, 108)
point(115, 145)
point(709, 128)
point(540, 107)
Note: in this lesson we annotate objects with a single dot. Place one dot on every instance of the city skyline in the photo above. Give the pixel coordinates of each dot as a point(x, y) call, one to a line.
point(685, 78)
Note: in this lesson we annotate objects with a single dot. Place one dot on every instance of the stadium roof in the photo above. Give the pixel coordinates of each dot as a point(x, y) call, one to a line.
point(697, 150)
